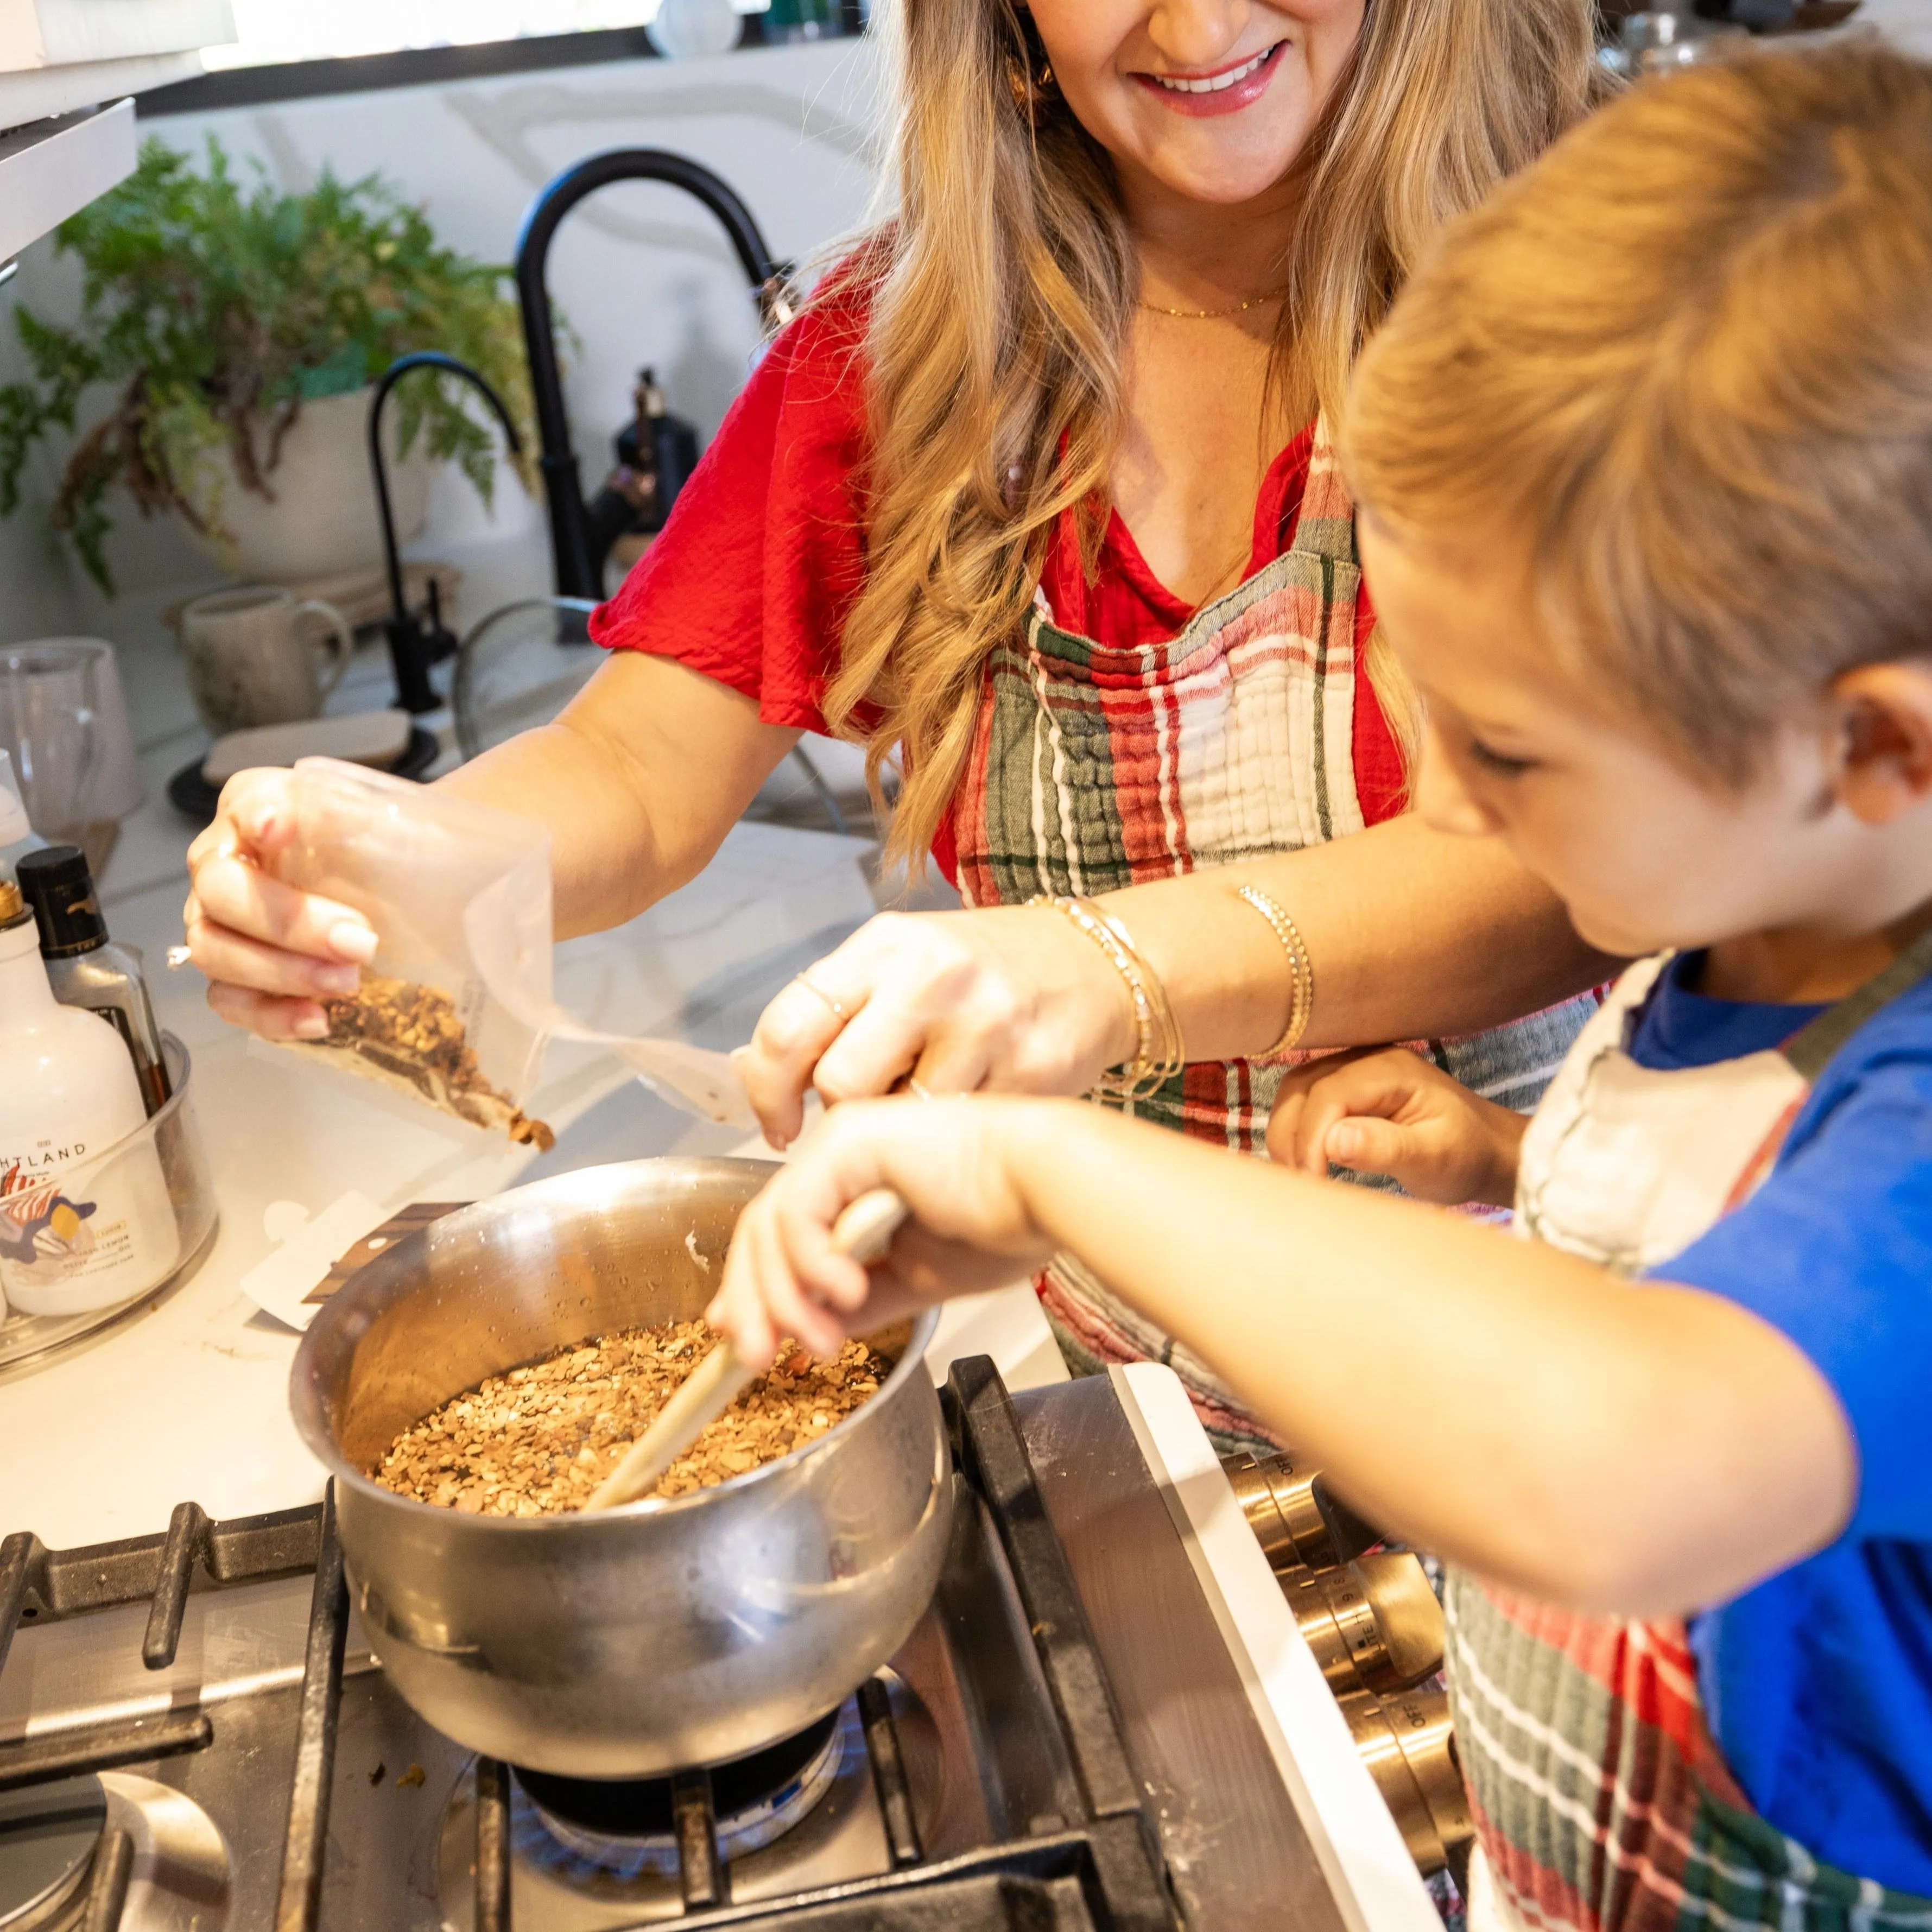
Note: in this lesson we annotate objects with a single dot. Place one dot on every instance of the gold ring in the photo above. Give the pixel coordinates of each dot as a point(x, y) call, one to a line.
point(839, 1010)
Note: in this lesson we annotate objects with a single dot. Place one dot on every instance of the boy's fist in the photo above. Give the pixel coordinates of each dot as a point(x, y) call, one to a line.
point(1387, 1111)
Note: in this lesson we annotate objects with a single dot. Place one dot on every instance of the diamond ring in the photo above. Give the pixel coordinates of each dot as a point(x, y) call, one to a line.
point(839, 1011)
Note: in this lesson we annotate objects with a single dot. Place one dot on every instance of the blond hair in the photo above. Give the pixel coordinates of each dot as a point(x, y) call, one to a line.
point(1686, 359)
point(1004, 289)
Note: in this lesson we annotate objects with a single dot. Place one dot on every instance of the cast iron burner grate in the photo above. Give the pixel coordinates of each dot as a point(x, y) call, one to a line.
point(38, 1584)
point(1092, 1864)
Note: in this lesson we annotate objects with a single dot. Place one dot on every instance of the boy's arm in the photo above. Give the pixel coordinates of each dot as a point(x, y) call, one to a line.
point(1640, 1448)
point(1616, 1445)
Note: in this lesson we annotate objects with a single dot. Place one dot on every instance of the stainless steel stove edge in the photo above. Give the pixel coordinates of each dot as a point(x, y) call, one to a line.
point(1373, 1880)
point(66, 1673)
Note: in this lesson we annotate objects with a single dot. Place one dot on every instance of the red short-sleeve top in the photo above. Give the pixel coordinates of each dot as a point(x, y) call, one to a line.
point(752, 579)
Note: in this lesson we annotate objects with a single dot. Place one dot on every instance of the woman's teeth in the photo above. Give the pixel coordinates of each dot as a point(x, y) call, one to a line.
point(1216, 83)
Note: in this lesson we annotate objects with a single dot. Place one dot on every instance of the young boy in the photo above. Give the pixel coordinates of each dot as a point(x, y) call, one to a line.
point(1644, 453)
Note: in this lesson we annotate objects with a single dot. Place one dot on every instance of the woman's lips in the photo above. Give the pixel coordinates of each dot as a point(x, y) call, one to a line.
point(1236, 85)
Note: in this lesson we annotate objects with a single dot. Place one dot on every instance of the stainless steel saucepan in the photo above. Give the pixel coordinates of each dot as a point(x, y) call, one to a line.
point(631, 1642)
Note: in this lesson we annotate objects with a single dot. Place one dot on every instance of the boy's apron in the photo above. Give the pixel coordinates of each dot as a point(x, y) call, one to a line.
point(1600, 1798)
point(1093, 768)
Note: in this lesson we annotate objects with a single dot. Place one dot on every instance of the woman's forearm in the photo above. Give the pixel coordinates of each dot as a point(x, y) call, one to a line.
point(1413, 934)
point(638, 781)
point(1496, 1400)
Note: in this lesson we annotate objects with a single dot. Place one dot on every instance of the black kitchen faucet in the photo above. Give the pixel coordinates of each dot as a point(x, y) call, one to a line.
point(579, 567)
point(418, 638)
point(580, 544)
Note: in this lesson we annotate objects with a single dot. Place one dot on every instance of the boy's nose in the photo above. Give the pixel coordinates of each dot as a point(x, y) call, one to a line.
point(1442, 801)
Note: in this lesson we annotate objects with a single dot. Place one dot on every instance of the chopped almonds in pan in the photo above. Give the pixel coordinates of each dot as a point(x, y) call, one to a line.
point(538, 1440)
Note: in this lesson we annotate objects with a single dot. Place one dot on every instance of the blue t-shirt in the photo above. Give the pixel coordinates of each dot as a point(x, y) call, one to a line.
point(1818, 1683)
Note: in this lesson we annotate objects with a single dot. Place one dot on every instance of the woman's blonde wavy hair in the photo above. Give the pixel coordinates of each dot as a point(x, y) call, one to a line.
point(1006, 283)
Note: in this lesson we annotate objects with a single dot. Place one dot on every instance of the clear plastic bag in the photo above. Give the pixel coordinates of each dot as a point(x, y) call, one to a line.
point(429, 871)
point(456, 1006)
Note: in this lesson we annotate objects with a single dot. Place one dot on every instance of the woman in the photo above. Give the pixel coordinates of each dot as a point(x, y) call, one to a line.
point(1139, 242)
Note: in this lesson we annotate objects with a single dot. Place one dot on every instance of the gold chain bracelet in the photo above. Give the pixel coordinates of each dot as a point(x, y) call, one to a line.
point(1159, 1052)
point(1301, 970)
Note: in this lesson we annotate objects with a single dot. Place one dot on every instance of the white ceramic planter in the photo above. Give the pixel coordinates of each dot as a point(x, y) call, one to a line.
point(323, 521)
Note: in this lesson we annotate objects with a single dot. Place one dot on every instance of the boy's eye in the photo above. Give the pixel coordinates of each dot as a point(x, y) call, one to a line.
point(1500, 762)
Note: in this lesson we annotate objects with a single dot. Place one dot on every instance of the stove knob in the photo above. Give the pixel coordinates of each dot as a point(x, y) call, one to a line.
point(1293, 1514)
point(1407, 1619)
point(1314, 1615)
point(1419, 1722)
point(1409, 1747)
point(1255, 1486)
point(1373, 1625)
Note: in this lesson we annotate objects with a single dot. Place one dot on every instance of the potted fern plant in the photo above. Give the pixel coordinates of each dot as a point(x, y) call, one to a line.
point(219, 368)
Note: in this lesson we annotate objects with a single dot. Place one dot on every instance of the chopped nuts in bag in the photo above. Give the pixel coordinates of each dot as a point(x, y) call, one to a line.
point(410, 1035)
point(430, 872)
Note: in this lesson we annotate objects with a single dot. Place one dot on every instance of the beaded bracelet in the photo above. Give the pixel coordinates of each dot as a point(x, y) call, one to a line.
point(1158, 1053)
point(1301, 970)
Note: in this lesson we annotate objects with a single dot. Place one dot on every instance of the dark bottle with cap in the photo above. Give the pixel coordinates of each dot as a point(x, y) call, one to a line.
point(84, 967)
point(656, 453)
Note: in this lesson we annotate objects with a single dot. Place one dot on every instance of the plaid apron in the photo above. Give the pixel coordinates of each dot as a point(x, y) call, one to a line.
point(1094, 767)
point(1601, 1800)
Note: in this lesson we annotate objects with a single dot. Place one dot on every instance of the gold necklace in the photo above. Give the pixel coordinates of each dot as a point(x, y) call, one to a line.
point(1212, 314)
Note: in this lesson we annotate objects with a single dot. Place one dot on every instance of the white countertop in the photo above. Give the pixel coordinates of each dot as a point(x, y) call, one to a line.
point(104, 1441)
point(189, 1401)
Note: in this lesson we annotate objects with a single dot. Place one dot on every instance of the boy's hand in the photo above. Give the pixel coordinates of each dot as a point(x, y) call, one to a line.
point(1391, 1111)
point(954, 1161)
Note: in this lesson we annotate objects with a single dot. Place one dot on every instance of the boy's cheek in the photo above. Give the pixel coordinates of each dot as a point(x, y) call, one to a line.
point(1634, 886)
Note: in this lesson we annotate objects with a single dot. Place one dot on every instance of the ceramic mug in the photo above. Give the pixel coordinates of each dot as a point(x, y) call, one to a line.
point(252, 658)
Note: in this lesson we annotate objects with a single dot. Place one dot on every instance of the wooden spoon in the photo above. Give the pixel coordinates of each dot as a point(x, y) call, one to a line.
point(865, 1231)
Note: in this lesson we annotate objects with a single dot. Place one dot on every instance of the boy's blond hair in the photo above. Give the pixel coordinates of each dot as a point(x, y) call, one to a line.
point(1688, 357)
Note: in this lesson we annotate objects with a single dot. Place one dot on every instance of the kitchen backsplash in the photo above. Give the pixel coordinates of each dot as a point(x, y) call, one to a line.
point(644, 274)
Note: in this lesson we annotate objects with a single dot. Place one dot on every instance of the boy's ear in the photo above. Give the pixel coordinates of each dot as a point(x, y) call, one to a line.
point(1882, 724)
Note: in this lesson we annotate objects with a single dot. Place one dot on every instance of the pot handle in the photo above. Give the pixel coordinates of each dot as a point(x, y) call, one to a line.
point(338, 644)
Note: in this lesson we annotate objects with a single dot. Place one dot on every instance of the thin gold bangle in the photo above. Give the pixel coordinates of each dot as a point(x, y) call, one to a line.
point(1159, 1053)
point(1154, 1061)
point(1301, 970)
point(1170, 1055)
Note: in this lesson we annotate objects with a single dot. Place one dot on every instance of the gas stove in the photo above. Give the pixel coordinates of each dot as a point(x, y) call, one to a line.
point(1108, 1718)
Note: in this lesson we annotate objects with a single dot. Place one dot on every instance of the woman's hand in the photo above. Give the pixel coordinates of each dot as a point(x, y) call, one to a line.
point(1014, 998)
point(956, 1162)
point(272, 954)
point(1388, 1111)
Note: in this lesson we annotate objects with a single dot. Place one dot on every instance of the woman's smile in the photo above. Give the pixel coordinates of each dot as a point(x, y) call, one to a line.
point(1224, 90)
point(1163, 86)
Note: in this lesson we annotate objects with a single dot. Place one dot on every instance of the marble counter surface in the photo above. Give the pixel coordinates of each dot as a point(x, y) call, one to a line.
point(187, 1399)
